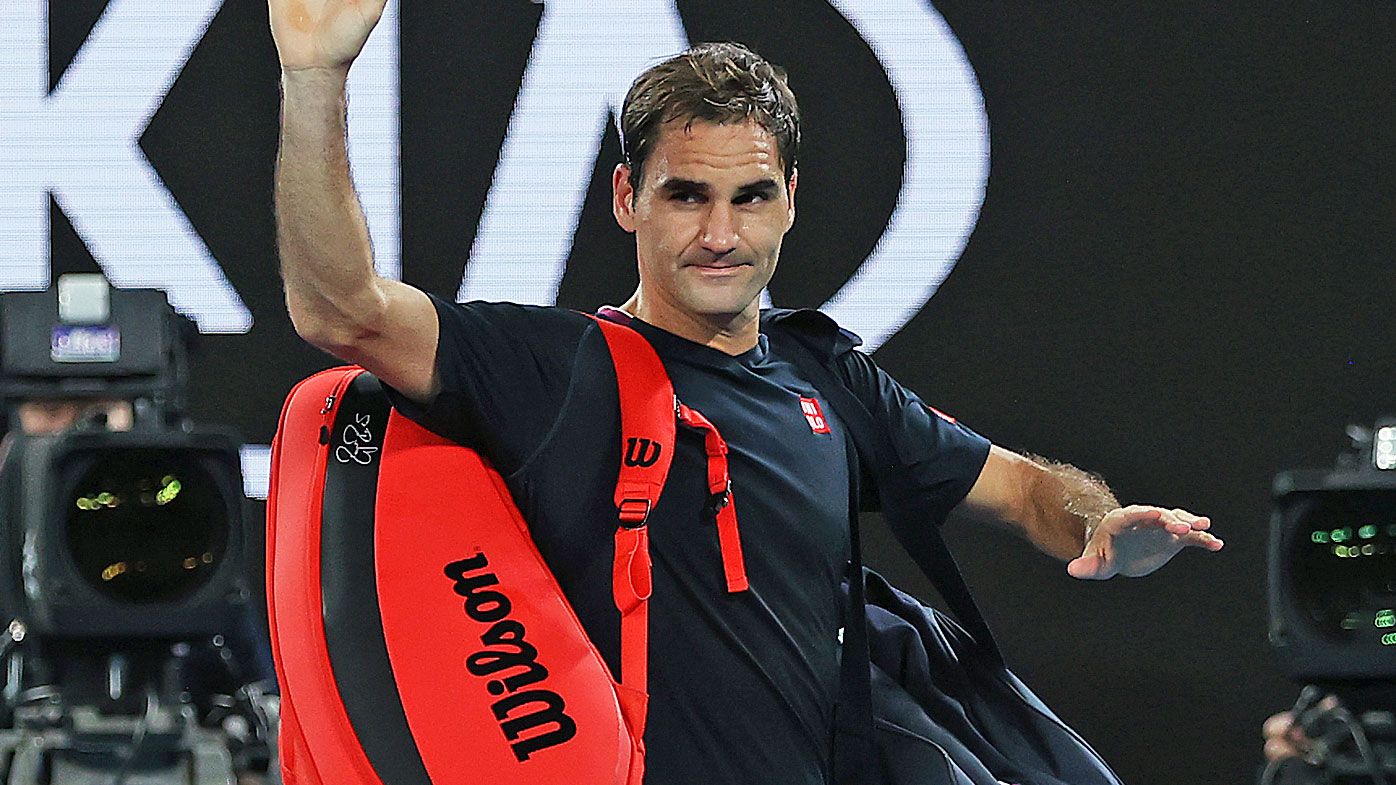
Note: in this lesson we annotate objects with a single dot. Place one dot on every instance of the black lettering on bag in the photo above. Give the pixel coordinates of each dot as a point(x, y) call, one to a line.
point(550, 713)
point(513, 653)
point(483, 606)
point(637, 452)
point(508, 652)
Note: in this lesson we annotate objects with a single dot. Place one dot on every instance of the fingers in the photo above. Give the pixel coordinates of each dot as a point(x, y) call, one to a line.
point(1279, 749)
point(1199, 539)
point(1196, 522)
point(1176, 519)
point(1189, 528)
point(1283, 739)
point(1143, 516)
point(1087, 568)
point(1182, 522)
point(1208, 542)
point(1135, 514)
point(1096, 564)
point(1192, 529)
point(1278, 725)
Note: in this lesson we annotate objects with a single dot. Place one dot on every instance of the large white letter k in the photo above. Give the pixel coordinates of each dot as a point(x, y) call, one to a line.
point(80, 143)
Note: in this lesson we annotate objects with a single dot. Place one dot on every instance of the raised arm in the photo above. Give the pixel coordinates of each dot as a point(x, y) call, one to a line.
point(335, 298)
point(1072, 515)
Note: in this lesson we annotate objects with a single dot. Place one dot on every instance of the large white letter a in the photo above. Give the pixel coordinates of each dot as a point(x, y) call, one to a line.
point(583, 59)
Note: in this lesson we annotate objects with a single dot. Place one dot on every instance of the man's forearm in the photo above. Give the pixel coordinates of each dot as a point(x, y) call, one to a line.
point(1063, 507)
point(326, 259)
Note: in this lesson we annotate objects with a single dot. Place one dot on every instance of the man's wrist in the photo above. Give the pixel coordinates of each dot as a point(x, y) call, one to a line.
point(1092, 523)
point(1069, 497)
point(327, 79)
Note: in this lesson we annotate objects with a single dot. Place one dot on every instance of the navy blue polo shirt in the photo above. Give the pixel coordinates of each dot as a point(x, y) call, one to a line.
point(742, 685)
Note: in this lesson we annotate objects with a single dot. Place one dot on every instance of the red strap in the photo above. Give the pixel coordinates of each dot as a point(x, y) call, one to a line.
point(719, 483)
point(648, 410)
point(720, 486)
point(631, 587)
point(647, 427)
point(646, 422)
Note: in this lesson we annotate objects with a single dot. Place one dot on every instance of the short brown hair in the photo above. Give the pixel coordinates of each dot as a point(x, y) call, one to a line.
point(715, 83)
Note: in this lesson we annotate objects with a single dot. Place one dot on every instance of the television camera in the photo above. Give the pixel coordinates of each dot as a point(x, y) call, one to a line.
point(1332, 591)
point(126, 622)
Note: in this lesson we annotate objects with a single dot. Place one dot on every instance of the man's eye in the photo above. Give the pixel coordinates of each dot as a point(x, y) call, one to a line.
point(750, 199)
point(687, 198)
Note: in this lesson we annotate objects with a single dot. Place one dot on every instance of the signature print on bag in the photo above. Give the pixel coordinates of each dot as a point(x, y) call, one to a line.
point(356, 442)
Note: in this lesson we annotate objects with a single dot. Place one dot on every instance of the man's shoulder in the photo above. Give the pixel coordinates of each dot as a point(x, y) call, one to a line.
point(522, 321)
point(512, 310)
point(815, 329)
point(835, 346)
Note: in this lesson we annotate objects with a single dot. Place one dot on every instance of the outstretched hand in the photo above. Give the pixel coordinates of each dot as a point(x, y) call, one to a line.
point(322, 33)
point(1137, 540)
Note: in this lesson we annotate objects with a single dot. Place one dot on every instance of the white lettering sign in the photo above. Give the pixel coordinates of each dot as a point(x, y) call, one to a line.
point(947, 166)
point(576, 74)
point(375, 133)
point(80, 143)
point(576, 77)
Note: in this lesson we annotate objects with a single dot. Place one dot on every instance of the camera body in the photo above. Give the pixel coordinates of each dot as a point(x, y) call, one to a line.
point(1332, 596)
point(82, 339)
point(1332, 574)
point(124, 535)
point(122, 564)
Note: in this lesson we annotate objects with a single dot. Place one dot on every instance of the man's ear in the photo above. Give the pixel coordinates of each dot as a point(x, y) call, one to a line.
point(790, 196)
point(623, 198)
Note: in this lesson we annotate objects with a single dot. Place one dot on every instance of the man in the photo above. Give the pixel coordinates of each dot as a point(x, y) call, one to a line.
point(742, 683)
point(55, 415)
point(43, 416)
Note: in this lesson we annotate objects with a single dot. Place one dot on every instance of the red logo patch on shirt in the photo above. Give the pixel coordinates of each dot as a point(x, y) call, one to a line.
point(814, 415)
point(942, 415)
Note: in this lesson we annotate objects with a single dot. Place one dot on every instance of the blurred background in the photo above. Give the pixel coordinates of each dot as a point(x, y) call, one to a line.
point(1152, 240)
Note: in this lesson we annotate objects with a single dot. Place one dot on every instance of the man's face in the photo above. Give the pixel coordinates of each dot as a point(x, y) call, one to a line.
point(709, 217)
point(50, 416)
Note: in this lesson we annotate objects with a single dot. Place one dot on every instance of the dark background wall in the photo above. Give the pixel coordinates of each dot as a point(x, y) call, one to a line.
point(1182, 278)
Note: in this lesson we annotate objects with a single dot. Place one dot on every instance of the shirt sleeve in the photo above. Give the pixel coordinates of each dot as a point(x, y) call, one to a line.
point(504, 371)
point(941, 458)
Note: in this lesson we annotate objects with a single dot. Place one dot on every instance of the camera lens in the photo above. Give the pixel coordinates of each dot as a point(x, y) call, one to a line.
point(1345, 564)
point(145, 525)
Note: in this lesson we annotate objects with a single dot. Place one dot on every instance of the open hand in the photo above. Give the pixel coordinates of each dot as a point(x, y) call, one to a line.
point(322, 33)
point(1137, 540)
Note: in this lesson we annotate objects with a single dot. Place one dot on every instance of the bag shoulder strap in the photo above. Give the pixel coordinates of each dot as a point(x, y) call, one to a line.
point(648, 416)
point(721, 503)
point(647, 431)
point(921, 539)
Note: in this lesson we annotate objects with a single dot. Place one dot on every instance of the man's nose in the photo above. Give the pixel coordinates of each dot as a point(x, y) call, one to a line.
point(720, 230)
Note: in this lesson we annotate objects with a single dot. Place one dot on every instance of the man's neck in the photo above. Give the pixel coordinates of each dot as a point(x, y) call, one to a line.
point(729, 334)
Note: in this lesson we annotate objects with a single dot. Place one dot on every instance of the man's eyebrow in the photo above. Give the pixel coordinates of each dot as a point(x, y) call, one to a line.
point(766, 186)
point(680, 185)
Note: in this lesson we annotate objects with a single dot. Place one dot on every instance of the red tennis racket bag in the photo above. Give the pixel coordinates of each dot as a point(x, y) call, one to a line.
point(419, 637)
